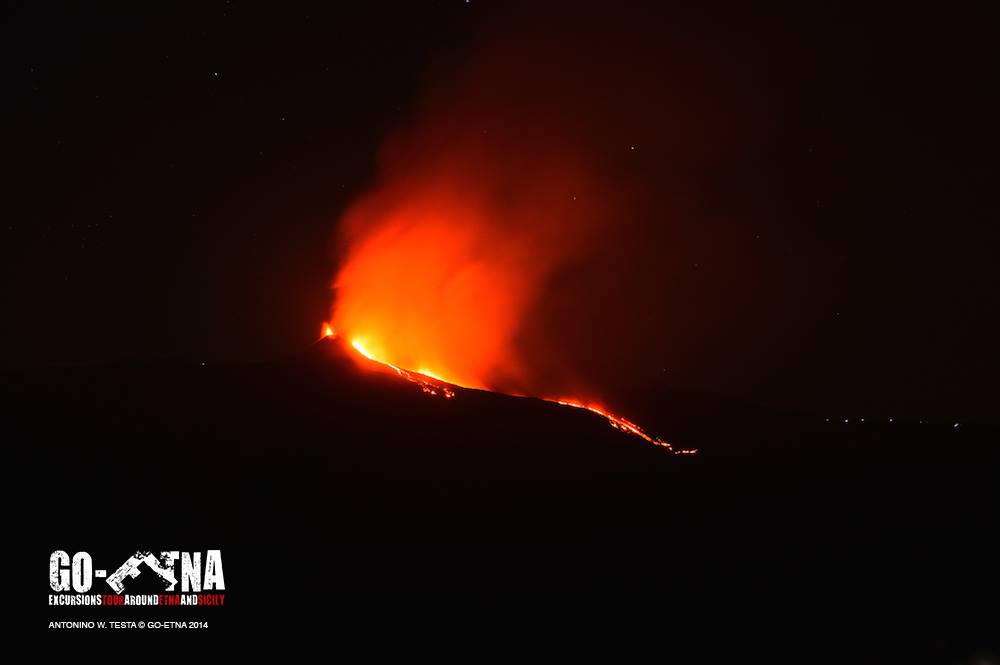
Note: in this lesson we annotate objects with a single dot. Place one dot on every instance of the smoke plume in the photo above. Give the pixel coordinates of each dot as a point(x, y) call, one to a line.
point(509, 233)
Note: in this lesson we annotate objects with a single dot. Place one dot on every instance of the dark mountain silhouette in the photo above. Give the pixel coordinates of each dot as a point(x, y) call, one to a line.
point(348, 500)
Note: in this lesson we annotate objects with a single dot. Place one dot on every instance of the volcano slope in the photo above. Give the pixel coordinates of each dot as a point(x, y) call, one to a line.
point(349, 502)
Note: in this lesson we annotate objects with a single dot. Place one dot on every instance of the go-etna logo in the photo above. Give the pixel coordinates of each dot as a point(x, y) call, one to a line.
point(71, 578)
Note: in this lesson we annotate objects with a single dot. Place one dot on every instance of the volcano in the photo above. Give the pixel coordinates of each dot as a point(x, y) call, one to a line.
point(433, 385)
point(345, 494)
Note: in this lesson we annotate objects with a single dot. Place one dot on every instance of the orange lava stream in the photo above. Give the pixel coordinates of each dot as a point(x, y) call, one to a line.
point(625, 425)
point(434, 385)
point(419, 378)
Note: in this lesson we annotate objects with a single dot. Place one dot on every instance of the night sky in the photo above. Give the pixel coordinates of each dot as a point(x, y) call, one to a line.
point(828, 230)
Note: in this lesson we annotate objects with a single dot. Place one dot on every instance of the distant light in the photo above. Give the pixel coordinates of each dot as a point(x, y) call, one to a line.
point(203, 364)
point(862, 420)
point(890, 420)
point(955, 425)
point(846, 420)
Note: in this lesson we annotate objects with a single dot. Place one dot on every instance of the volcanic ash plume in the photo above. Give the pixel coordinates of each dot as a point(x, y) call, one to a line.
point(514, 238)
point(474, 213)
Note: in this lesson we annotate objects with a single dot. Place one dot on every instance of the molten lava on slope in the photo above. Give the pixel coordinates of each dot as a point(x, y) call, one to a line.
point(436, 386)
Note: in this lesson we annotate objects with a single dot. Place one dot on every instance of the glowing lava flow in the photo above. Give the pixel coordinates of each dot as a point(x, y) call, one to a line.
point(419, 378)
point(625, 425)
point(432, 384)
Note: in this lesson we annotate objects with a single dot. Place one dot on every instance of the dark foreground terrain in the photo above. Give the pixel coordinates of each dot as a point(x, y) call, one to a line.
point(354, 510)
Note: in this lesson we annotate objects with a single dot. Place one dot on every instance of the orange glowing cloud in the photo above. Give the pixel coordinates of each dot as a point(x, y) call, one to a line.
point(443, 265)
point(498, 246)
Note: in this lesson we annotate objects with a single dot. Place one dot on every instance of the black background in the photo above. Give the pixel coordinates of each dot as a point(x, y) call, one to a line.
point(174, 175)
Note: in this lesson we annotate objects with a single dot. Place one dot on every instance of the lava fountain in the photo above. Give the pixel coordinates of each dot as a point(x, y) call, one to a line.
point(493, 196)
